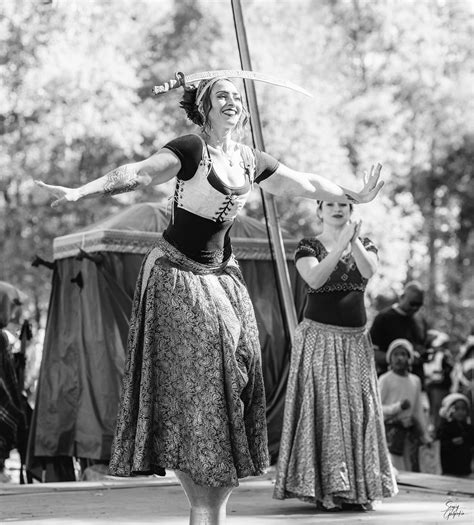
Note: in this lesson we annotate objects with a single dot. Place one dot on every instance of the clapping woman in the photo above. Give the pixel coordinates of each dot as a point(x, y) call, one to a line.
point(333, 451)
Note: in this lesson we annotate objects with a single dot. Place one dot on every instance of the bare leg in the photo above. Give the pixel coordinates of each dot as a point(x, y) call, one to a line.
point(208, 504)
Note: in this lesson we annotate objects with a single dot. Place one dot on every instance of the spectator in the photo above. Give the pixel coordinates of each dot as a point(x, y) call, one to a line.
point(463, 372)
point(437, 371)
point(400, 393)
point(11, 412)
point(402, 320)
point(456, 436)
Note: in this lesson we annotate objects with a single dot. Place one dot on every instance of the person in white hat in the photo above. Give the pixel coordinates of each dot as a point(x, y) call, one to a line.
point(400, 392)
point(456, 435)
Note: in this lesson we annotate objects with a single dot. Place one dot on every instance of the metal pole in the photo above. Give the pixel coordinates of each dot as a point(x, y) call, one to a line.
point(271, 215)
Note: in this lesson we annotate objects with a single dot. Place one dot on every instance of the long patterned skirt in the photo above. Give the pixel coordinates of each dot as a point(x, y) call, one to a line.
point(333, 447)
point(193, 396)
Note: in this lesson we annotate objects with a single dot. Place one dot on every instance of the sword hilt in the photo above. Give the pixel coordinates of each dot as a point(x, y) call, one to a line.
point(173, 83)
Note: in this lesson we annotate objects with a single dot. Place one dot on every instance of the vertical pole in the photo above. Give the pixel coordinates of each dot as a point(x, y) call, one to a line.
point(271, 215)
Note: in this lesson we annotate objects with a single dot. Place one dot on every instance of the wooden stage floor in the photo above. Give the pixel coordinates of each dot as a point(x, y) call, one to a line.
point(423, 499)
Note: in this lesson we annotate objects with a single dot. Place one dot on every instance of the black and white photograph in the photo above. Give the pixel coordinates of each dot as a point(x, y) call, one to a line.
point(236, 262)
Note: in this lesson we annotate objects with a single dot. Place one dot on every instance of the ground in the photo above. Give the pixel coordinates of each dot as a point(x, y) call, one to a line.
point(423, 499)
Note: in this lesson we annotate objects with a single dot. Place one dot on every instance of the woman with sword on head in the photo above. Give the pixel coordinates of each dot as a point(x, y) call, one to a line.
point(193, 397)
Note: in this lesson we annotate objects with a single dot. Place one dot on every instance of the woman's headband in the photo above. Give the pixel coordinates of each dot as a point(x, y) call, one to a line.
point(182, 80)
point(203, 88)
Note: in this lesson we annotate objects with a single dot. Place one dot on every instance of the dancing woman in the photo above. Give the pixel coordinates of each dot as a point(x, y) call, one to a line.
point(332, 450)
point(193, 397)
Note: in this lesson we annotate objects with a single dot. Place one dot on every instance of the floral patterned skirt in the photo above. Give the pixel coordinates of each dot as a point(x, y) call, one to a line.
point(333, 447)
point(193, 396)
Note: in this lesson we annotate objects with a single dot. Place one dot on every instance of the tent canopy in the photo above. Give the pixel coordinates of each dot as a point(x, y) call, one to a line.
point(135, 230)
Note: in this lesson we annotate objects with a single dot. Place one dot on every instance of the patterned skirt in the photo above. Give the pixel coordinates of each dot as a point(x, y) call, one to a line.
point(193, 395)
point(333, 447)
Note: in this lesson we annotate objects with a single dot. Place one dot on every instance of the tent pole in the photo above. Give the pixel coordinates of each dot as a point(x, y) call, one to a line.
point(271, 214)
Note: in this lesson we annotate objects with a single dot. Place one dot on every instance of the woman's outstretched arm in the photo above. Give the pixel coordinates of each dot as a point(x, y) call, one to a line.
point(157, 169)
point(288, 182)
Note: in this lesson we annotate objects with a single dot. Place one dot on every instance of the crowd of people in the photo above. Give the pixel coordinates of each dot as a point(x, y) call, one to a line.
point(193, 399)
point(421, 378)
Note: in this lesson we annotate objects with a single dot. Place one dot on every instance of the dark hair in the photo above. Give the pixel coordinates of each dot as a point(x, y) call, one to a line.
point(188, 103)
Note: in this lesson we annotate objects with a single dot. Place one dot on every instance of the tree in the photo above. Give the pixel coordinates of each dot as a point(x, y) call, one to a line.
point(74, 106)
point(391, 81)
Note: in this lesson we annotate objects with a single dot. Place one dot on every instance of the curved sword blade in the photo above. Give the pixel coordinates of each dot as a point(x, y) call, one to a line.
point(249, 75)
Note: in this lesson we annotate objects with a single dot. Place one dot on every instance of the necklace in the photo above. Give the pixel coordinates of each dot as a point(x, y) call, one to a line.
point(228, 156)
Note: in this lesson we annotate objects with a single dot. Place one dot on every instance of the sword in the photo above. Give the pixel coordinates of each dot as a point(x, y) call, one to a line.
point(181, 80)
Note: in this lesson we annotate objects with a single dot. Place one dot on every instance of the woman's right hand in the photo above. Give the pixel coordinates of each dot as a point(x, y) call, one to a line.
point(61, 193)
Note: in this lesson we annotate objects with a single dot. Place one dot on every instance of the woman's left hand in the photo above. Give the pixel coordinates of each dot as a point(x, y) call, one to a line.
point(371, 187)
point(356, 232)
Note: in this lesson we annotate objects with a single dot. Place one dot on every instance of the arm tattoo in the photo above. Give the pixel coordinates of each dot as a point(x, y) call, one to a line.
point(121, 180)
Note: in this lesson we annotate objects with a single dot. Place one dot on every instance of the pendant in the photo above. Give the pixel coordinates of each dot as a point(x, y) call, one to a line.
point(229, 158)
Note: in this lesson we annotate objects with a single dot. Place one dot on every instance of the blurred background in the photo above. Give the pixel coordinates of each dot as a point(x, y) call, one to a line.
point(392, 82)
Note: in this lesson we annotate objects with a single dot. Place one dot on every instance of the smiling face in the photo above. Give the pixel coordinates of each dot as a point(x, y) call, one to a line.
point(335, 213)
point(225, 105)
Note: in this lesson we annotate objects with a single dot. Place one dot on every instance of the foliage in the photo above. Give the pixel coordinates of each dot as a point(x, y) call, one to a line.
point(392, 82)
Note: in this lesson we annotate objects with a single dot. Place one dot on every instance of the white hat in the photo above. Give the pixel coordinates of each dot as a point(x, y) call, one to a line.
point(439, 339)
point(449, 401)
point(403, 343)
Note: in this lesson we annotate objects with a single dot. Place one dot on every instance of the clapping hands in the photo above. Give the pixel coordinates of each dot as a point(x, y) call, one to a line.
point(349, 234)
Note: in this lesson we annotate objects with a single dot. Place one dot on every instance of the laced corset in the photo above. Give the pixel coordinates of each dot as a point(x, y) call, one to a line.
point(203, 207)
point(207, 196)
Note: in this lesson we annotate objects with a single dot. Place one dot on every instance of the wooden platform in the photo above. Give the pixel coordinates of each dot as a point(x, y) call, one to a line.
point(423, 499)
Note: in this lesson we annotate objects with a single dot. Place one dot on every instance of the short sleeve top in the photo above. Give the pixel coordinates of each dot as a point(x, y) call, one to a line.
point(189, 150)
point(345, 276)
